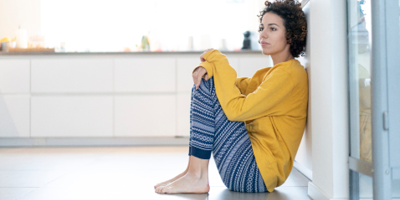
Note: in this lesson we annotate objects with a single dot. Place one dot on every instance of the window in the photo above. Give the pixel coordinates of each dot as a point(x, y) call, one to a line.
point(174, 25)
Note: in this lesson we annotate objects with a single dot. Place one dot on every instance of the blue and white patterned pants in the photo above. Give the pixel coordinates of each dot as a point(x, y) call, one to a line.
point(211, 131)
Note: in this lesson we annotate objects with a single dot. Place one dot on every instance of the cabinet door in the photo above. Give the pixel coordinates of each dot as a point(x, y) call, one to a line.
point(14, 115)
point(14, 76)
point(72, 75)
point(145, 75)
point(145, 115)
point(183, 114)
point(185, 68)
point(72, 116)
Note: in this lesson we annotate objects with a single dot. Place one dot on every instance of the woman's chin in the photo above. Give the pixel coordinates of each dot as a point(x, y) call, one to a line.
point(266, 53)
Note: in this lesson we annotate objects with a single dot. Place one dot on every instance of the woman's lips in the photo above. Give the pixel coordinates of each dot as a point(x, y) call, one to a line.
point(264, 43)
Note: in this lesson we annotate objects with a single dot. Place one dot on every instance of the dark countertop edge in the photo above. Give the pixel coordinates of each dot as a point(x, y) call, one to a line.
point(120, 53)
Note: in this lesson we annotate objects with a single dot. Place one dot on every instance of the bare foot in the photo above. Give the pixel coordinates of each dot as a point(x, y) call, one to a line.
point(171, 180)
point(189, 183)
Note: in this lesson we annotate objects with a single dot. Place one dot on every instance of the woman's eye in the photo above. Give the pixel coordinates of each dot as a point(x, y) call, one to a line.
point(273, 29)
point(261, 28)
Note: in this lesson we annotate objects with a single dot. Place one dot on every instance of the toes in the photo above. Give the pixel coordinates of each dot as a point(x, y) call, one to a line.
point(159, 190)
point(164, 190)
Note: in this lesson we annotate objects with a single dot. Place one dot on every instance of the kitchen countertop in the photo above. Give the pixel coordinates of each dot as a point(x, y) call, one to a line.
point(121, 53)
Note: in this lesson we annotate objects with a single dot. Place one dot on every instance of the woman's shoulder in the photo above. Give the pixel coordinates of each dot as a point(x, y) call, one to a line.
point(291, 69)
point(294, 69)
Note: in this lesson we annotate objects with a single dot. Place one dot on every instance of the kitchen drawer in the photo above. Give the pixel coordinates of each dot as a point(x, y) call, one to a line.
point(145, 115)
point(145, 75)
point(14, 115)
point(14, 76)
point(72, 116)
point(183, 114)
point(72, 75)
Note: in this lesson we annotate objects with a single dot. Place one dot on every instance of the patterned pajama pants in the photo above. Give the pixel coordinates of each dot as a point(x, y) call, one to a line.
point(211, 131)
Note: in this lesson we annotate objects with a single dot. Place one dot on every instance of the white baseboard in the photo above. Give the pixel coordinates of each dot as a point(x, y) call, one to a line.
point(316, 194)
point(93, 141)
point(302, 169)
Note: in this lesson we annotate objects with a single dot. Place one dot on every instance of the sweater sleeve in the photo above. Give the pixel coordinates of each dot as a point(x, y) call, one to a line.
point(242, 83)
point(276, 86)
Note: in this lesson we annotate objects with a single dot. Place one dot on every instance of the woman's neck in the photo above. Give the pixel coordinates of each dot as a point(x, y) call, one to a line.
point(281, 58)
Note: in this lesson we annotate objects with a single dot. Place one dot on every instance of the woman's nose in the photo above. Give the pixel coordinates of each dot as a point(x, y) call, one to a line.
point(263, 35)
point(261, 38)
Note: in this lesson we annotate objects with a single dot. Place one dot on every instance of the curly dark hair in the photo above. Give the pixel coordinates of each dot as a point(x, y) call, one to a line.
point(294, 20)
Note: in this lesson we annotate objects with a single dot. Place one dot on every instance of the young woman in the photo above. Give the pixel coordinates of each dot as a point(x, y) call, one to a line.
point(252, 126)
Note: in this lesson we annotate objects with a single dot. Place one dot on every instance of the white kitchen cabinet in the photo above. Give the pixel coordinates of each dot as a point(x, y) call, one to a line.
point(234, 63)
point(185, 68)
point(72, 75)
point(145, 75)
point(72, 116)
point(14, 115)
point(103, 96)
point(183, 114)
point(249, 65)
point(145, 115)
point(14, 76)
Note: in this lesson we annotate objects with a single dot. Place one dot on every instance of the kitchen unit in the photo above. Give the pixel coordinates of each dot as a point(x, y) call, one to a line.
point(56, 99)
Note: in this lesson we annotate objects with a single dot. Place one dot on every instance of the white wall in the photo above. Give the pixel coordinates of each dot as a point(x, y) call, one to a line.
point(15, 13)
point(303, 161)
point(328, 112)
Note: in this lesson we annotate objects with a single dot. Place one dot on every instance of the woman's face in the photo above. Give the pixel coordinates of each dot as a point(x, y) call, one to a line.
point(273, 35)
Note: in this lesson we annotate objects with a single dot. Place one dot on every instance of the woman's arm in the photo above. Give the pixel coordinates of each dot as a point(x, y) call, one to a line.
point(274, 90)
point(242, 83)
point(199, 72)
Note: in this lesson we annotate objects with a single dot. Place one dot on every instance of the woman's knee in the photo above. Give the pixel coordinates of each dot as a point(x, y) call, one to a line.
point(205, 86)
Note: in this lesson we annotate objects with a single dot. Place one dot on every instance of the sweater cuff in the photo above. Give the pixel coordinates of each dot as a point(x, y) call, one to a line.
point(195, 69)
point(210, 56)
point(209, 68)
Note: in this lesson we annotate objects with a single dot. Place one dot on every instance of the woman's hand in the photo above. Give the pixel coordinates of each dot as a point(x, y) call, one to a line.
point(200, 72)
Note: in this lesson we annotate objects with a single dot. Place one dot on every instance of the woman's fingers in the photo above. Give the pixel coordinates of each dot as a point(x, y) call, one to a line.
point(198, 75)
point(195, 77)
point(198, 82)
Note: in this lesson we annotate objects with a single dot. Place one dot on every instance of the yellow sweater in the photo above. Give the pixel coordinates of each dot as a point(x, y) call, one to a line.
point(273, 103)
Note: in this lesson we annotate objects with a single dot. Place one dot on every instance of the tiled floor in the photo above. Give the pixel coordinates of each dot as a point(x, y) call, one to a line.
point(112, 173)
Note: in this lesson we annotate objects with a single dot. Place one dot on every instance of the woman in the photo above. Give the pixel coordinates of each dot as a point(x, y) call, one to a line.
point(253, 126)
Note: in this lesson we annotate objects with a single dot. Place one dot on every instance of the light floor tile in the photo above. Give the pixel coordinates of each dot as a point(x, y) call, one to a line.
point(46, 162)
point(140, 162)
point(14, 193)
point(113, 173)
point(281, 193)
point(296, 179)
point(22, 179)
point(104, 194)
